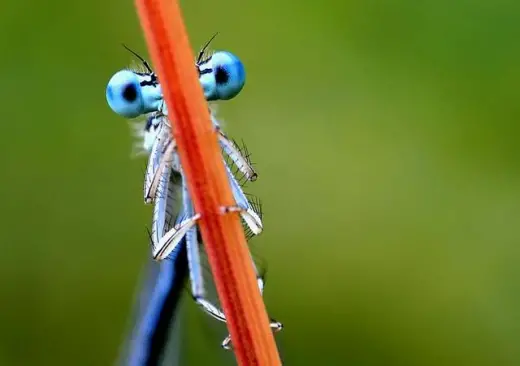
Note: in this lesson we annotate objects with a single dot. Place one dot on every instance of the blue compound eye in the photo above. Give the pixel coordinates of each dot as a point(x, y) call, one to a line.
point(222, 76)
point(124, 94)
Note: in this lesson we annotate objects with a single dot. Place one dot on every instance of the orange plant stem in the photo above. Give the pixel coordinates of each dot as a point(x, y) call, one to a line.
point(202, 163)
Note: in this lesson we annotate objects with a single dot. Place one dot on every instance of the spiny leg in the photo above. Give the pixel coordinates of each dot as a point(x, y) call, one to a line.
point(154, 160)
point(241, 161)
point(164, 164)
point(173, 237)
point(250, 217)
point(243, 206)
point(161, 155)
point(166, 207)
point(192, 244)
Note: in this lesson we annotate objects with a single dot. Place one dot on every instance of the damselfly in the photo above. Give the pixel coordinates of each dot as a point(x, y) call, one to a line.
point(132, 93)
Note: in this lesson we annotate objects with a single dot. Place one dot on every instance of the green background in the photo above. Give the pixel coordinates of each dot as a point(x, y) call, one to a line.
point(386, 139)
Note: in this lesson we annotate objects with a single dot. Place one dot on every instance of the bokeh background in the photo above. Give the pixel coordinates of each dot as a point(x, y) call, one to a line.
point(386, 138)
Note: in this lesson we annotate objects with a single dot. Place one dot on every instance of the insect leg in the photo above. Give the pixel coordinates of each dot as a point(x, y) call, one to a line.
point(251, 218)
point(193, 247)
point(247, 212)
point(173, 237)
point(161, 156)
point(164, 163)
point(241, 161)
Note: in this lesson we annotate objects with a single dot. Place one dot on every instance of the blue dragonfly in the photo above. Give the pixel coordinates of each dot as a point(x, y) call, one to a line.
point(133, 93)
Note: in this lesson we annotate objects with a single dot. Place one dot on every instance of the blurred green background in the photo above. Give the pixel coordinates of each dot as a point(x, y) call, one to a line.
point(386, 138)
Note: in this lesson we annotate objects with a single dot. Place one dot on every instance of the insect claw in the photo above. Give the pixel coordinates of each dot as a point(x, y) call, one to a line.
point(276, 326)
point(237, 156)
point(226, 344)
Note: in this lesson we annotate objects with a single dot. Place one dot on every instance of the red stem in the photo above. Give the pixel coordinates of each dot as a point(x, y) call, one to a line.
point(202, 163)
